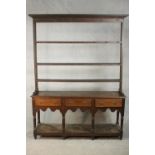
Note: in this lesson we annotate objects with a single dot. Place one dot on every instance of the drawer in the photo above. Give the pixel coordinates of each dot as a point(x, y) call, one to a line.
point(108, 102)
point(81, 102)
point(47, 101)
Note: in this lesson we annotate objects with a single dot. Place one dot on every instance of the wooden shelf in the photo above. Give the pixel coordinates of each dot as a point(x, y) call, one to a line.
point(49, 128)
point(78, 80)
point(78, 42)
point(78, 17)
point(78, 64)
point(101, 130)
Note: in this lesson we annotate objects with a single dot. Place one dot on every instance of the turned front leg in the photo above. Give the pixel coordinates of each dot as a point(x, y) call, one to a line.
point(93, 118)
point(34, 119)
point(122, 118)
point(63, 111)
point(93, 125)
point(117, 117)
point(63, 124)
point(38, 116)
point(34, 124)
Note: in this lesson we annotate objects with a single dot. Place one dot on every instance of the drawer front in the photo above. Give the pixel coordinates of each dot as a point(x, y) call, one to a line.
point(82, 102)
point(108, 102)
point(47, 101)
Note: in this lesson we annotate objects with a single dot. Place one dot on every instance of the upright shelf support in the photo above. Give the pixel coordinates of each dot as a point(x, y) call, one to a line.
point(35, 55)
point(121, 57)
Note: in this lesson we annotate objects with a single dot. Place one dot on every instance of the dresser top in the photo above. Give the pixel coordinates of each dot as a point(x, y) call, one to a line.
point(95, 94)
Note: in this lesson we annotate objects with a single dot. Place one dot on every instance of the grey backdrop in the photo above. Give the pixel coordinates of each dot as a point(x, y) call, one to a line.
point(79, 53)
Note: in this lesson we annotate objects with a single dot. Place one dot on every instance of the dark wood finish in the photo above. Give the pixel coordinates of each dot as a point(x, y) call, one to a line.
point(93, 118)
point(121, 57)
point(78, 42)
point(117, 117)
point(75, 130)
point(79, 64)
point(122, 118)
point(46, 129)
point(35, 55)
point(39, 117)
point(107, 130)
point(78, 80)
point(63, 110)
point(77, 18)
point(73, 100)
point(34, 118)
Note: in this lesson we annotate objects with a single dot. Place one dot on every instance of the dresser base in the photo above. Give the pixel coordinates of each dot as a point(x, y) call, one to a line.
point(91, 101)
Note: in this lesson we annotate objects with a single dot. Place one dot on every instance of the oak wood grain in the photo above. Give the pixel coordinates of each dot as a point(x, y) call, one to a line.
point(47, 101)
point(108, 102)
point(82, 102)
